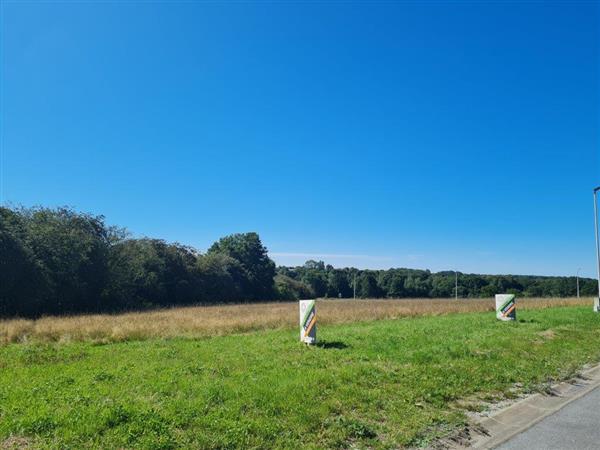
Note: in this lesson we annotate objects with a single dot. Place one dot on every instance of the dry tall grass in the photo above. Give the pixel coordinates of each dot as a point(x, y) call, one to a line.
point(199, 321)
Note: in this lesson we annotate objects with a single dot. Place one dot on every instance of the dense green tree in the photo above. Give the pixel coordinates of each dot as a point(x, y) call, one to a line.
point(337, 284)
point(289, 289)
point(223, 278)
point(392, 283)
point(252, 255)
point(417, 285)
point(315, 278)
point(587, 287)
point(150, 272)
point(71, 251)
point(367, 285)
point(315, 265)
point(22, 284)
point(442, 285)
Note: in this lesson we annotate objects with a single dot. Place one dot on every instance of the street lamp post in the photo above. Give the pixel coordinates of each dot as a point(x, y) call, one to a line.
point(578, 282)
point(597, 300)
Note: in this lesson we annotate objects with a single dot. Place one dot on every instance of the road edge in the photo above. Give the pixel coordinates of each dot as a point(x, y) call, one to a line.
point(506, 423)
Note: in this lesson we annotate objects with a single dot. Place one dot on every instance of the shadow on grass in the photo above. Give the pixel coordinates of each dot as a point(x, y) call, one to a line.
point(332, 344)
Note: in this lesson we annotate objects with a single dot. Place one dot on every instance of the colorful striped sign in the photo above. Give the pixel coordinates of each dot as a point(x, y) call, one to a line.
point(308, 321)
point(506, 308)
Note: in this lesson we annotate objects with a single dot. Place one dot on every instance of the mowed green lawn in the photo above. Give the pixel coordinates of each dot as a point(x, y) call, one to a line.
point(378, 384)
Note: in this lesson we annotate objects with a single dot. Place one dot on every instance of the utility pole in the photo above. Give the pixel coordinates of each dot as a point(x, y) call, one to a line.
point(597, 242)
point(455, 285)
point(354, 285)
point(578, 282)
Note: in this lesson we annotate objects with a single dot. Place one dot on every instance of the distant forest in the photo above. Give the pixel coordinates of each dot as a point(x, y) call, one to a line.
point(60, 261)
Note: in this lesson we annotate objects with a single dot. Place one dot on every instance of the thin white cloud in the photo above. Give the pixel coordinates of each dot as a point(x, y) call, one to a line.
point(327, 255)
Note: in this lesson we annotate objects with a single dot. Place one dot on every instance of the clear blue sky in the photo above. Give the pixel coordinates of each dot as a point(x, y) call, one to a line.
point(430, 135)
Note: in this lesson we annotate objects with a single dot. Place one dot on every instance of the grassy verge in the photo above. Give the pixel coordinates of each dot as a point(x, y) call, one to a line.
point(380, 384)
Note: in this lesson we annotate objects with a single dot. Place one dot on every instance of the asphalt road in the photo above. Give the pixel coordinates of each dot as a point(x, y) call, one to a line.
point(574, 427)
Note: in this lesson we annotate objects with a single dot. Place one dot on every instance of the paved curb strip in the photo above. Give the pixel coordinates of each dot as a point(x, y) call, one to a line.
point(507, 423)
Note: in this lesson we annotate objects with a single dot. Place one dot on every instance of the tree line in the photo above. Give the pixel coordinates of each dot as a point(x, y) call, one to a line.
point(59, 261)
point(315, 279)
point(55, 261)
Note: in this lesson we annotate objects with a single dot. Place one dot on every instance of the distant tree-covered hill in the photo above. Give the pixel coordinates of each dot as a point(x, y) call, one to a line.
point(315, 279)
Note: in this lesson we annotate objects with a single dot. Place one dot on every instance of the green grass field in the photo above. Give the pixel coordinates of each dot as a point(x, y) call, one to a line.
point(379, 384)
